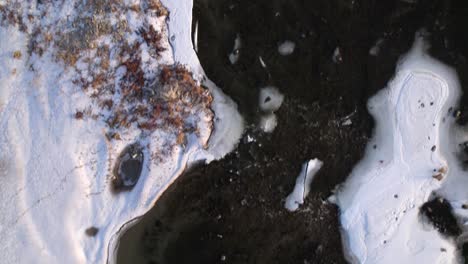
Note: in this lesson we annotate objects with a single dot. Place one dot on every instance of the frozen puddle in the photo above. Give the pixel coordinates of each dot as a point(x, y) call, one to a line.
point(405, 162)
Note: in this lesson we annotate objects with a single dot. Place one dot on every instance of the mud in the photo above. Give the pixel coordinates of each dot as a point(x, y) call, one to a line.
point(232, 210)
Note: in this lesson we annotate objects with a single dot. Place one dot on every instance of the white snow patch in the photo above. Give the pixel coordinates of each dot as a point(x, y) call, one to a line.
point(286, 48)
point(347, 122)
point(268, 123)
point(195, 37)
point(302, 187)
point(270, 99)
point(234, 55)
point(262, 62)
point(229, 124)
point(380, 201)
point(375, 50)
point(337, 57)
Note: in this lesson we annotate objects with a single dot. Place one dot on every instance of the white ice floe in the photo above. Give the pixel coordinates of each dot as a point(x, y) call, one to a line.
point(302, 187)
point(234, 55)
point(380, 201)
point(286, 48)
point(56, 170)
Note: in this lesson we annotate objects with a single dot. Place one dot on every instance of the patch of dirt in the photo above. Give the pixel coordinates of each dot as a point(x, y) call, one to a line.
point(439, 213)
point(232, 211)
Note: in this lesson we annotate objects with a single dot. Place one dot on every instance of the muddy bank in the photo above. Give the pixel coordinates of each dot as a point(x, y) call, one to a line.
point(231, 211)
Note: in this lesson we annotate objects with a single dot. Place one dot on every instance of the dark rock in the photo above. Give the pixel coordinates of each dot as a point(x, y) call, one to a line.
point(92, 231)
point(128, 168)
point(438, 212)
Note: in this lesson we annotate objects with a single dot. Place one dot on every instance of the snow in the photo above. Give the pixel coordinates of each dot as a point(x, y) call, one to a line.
point(262, 62)
point(234, 55)
point(337, 57)
point(56, 169)
point(270, 99)
point(268, 123)
point(195, 37)
point(375, 50)
point(347, 122)
point(230, 124)
point(380, 201)
point(286, 48)
point(302, 187)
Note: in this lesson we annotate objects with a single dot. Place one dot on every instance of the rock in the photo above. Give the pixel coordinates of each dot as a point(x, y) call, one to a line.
point(128, 168)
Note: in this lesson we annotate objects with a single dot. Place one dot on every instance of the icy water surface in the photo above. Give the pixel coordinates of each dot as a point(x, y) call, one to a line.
point(232, 210)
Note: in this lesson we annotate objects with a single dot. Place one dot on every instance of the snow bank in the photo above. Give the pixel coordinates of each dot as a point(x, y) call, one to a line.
point(302, 187)
point(380, 201)
point(229, 123)
point(56, 165)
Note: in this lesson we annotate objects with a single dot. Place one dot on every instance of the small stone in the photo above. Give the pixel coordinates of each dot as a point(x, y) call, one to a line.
point(438, 176)
point(433, 148)
point(92, 231)
point(17, 54)
point(79, 115)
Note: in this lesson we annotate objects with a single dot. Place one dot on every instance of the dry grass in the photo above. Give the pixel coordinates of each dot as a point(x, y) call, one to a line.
point(142, 96)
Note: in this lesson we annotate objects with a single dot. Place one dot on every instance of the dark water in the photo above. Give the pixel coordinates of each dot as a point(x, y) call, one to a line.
point(231, 211)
